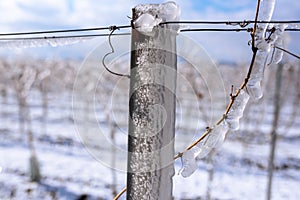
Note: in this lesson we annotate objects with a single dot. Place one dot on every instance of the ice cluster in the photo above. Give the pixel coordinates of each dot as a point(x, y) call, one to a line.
point(213, 140)
point(266, 10)
point(265, 42)
point(237, 110)
point(151, 15)
point(278, 42)
point(145, 23)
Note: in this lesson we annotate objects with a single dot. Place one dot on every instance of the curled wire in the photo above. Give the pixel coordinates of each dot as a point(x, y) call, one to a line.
point(112, 29)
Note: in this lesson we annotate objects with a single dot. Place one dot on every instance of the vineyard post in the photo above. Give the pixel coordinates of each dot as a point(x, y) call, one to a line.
point(150, 166)
point(277, 101)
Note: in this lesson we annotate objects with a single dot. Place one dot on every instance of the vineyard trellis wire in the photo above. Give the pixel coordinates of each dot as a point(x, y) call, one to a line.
point(242, 24)
point(60, 40)
point(233, 96)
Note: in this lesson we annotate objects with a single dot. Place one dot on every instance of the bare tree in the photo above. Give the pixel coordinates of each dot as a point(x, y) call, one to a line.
point(23, 80)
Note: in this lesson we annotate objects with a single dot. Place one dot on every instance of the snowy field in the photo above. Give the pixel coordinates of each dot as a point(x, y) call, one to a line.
point(238, 170)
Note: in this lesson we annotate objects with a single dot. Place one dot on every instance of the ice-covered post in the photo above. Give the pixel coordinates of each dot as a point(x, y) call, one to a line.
point(152, 102)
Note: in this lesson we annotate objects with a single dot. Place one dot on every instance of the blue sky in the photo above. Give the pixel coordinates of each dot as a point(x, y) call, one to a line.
point(28, 15)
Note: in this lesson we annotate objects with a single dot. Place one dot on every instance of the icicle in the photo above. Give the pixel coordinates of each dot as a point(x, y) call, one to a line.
point(266, 10)
point(203, 148)
point(264, 47)
point(237, 110)
point(277, 54)
point(265, 14)
point(189, 164)
point(257, 74)
point(213, 140)
point(264, 44)
point(222, 130)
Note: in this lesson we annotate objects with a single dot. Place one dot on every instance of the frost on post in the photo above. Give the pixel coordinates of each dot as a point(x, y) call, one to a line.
point(213, 140)
point(152, 102)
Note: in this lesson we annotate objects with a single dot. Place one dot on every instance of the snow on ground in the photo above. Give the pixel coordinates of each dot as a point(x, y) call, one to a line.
point(70, 172)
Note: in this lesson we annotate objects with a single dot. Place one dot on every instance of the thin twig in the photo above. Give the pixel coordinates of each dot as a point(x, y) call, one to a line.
point(255, 25)
point(120, 193)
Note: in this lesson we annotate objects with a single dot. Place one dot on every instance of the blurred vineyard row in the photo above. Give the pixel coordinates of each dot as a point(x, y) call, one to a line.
point(38, 94)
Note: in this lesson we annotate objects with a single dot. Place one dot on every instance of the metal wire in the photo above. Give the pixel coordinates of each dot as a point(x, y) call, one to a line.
point(64, 36)
point(242, 24)
point(216, 30)
point(63, 31)
point(288, 52)
point(112, 28)
point(127, 33)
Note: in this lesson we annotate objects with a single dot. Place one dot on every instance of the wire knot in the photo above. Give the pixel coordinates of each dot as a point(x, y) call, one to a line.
point(113, 28)
point(244, 24)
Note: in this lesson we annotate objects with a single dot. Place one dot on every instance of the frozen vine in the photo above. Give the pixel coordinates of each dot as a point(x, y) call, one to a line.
point(264, 38)
point(263, 42)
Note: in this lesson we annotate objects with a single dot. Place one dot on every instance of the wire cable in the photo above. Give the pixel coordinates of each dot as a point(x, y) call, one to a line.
point(242, 24)
point(63, 31)
point(216, 30)
point(64, 36)
point(288, 52)
point(112, 29)
point(127, 33)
